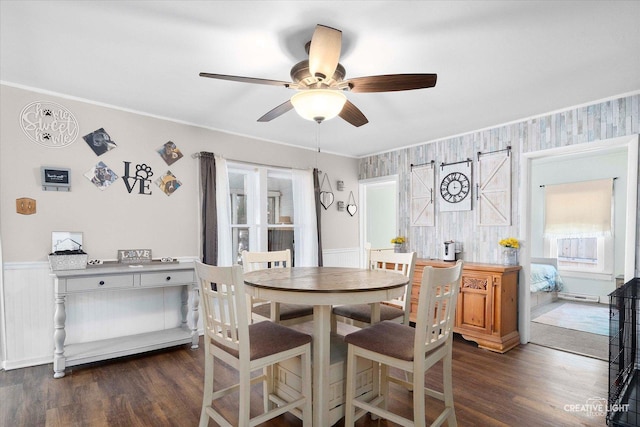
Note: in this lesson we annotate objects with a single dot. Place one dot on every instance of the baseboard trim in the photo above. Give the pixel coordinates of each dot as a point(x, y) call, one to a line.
point(578, 297)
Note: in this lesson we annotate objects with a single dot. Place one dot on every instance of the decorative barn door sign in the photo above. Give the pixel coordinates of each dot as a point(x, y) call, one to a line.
point(493, 190)
point(455, 186)
point(422, 198)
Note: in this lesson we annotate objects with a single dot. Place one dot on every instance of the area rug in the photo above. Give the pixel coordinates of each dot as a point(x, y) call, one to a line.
point(570, 340)
point(592, 318)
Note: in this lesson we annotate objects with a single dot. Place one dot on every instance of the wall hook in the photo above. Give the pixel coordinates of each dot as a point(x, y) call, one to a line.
point(25, 206)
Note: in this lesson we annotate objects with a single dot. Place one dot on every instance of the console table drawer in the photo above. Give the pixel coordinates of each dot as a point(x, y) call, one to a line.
point(165, 278)
point(116, 281)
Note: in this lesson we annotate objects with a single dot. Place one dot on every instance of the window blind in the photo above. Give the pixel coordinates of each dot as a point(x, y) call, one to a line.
point(579, 209)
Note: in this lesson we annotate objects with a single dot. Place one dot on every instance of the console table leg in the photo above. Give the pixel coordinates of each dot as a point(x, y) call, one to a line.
point(59, 336)
point(195, 316)
point(184, 308)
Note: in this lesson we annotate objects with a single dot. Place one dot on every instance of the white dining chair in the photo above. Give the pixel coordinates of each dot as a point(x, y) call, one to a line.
point(247, 347)
point(283, 313)
point(413, 350)
point(397, 310)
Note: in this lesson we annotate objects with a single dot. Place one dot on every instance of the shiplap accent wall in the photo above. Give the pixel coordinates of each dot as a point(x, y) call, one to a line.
point(599, 121)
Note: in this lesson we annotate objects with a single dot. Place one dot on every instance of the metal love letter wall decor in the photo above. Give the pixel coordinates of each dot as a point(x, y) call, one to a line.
point(141, 178)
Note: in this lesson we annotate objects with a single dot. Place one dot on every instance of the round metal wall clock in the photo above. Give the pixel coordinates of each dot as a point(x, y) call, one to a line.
point(455, 187)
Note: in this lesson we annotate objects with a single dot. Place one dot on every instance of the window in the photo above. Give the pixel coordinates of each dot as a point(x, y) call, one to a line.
point(578, 226)
point(261, 209)
point(582, 254)
point(578, 250)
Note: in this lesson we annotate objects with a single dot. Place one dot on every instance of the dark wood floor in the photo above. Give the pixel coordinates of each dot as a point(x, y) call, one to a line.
point(528, 386)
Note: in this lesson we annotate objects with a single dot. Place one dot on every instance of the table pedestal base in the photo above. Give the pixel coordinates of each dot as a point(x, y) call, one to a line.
point(288, 381)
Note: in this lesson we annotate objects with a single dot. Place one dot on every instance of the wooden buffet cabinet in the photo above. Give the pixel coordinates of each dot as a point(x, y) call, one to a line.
point(487, 310)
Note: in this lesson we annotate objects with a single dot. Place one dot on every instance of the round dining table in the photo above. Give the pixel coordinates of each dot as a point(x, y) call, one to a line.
point(324, 287)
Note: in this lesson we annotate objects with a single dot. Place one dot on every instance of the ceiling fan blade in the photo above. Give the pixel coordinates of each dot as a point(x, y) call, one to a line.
point(247, 79)
point(277, 112)
point(353, 115)
point(324, 51)
point(392, 82)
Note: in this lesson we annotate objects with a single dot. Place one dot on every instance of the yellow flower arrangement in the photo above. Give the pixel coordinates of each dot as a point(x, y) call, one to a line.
point(398, 240)
point(510, 242)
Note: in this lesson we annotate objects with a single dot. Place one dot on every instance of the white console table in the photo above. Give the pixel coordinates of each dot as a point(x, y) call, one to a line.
point(110, 277)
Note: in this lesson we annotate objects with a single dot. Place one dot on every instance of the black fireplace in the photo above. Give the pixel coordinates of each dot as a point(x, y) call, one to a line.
point(624, 356)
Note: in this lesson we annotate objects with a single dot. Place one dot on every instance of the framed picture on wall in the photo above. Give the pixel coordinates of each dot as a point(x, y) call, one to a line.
point(101, 175)
point(99, 141)
point(168, 183)
point(169, 152)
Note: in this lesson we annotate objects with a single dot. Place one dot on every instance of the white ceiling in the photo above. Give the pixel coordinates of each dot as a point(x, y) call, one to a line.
point(497, 61)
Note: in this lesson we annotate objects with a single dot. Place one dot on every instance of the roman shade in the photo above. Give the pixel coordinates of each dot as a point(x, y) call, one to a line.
point(580, 209)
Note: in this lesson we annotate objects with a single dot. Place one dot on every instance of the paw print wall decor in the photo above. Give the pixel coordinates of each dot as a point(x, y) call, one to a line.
point(141, 179)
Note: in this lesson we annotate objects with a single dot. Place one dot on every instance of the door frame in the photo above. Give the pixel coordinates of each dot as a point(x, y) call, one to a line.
point(631, 143)
point(362, 196)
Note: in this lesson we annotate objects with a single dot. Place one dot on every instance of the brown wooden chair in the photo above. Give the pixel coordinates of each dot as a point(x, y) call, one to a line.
point(397, 310)
point(413, 350)
point(230, 338)
point(286, 314)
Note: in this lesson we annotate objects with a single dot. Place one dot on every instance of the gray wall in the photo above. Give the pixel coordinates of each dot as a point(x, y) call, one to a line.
point(114, 219)
point(599, 121)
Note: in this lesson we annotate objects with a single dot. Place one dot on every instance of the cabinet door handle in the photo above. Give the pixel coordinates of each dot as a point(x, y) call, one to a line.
point(101, 282)
point(168, 278)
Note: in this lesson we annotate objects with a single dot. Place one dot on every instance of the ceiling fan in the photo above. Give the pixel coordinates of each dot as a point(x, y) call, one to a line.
point(320, 79)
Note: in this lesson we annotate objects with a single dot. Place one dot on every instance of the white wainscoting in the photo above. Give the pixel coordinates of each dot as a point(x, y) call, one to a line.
point(343, 257)
point(29, 309)
point(28, 314)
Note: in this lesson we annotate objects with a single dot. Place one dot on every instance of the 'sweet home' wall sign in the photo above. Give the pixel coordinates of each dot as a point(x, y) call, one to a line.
point(49, 124)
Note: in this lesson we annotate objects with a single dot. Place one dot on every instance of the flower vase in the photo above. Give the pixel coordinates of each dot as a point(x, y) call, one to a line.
point(510, 256)
point(397, 247)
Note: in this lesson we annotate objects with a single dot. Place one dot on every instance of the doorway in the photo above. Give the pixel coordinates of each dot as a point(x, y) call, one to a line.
point(378, 213)
point(572, 326)
point(628, 244)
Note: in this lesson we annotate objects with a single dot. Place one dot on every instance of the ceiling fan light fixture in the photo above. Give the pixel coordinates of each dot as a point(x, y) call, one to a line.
point(318, 104)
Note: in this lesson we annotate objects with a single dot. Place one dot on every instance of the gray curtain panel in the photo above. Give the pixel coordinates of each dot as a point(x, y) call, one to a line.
point(209, 208)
